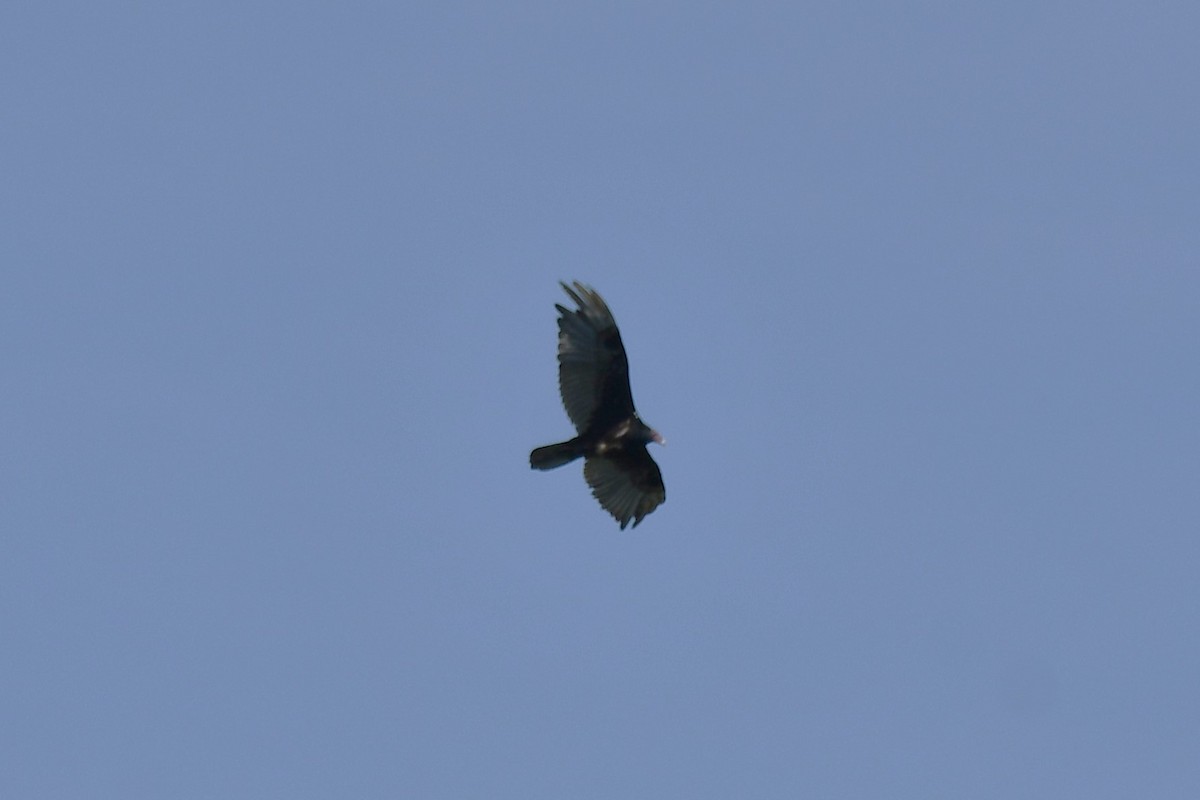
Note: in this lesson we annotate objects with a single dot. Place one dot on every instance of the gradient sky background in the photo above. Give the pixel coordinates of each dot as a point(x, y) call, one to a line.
point(912, 291)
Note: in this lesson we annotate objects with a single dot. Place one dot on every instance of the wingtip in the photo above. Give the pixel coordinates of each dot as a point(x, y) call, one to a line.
point(577, 288)
point(576, 294)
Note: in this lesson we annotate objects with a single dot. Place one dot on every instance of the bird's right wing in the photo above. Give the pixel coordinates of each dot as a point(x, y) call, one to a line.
point(593, 372)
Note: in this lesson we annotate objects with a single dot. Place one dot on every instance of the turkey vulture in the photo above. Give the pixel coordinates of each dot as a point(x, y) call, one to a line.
point(593, 376)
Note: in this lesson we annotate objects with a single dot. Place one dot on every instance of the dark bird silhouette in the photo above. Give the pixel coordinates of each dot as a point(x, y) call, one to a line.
point(593, 376)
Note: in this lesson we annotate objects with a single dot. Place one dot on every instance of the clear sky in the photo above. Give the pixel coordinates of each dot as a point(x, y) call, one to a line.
point(912, 290)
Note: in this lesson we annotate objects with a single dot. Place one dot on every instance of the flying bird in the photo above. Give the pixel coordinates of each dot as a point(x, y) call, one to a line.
point(593, 377)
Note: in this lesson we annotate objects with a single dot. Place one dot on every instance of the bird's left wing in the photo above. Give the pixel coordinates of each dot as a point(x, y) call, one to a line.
point(627, 483)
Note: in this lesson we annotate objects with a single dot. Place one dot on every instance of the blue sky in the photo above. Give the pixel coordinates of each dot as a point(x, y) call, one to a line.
point(912, 291)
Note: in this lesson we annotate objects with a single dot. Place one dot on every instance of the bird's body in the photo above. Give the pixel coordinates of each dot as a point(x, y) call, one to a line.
point(593, 377)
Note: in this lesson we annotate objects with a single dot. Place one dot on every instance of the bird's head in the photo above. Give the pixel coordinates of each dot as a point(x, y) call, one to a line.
point(648, 434)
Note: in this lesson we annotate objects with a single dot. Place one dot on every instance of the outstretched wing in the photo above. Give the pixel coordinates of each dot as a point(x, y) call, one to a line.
point(593, 373)
point(627, 483)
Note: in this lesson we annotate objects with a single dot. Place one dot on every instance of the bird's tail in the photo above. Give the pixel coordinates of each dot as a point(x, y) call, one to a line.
point(555, 455)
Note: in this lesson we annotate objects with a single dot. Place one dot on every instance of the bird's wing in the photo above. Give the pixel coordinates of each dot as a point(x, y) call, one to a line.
point(593, 373)
point(627, 483)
